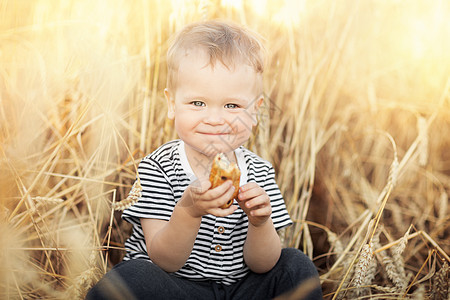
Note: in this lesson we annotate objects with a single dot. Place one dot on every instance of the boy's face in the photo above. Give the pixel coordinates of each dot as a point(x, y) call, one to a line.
point(214, 108)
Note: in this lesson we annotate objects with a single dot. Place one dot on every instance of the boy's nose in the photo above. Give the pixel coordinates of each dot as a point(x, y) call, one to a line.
point(214, 118)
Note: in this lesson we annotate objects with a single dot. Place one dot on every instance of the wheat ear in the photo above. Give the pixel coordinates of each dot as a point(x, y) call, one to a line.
point(441, 283)
point(362, 267)
point(133, 197)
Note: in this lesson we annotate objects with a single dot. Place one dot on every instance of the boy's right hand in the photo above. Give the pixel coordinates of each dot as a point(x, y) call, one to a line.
point(199, 200)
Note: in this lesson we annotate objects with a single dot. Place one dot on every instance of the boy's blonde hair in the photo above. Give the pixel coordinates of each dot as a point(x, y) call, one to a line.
point(228, 43)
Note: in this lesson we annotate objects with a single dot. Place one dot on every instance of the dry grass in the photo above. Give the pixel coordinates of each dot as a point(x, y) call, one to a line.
point(356, 123)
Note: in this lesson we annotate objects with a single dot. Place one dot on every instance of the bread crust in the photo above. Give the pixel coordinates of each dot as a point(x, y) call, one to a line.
point(223, 170)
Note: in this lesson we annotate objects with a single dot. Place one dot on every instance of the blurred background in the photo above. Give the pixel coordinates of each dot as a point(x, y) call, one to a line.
point(356, 122)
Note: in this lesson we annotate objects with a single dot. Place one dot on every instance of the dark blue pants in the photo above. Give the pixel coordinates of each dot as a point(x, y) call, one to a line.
point(294, 276)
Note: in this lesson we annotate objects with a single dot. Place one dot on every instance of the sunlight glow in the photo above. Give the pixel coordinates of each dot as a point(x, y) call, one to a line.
point(236, 4)
point(417, 35)
point(259, 7)
point(290, 12)
point(421, 37)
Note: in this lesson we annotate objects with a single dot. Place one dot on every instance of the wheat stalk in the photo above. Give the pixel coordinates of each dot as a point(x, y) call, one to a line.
point(48, 200)
point(422, 127)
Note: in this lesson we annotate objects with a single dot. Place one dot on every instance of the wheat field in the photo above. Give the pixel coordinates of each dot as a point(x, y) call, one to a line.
point(356, 122)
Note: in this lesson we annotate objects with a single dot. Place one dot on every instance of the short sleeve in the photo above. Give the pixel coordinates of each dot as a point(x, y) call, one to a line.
point(280, 216)
point(157, 196)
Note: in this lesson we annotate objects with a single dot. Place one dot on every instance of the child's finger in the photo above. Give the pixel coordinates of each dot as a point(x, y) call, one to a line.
point(248, 186)
point(262, 211)
point(223, 212)
point(221, 189)
point(250, 191)
point(200, 186)
point(261, 200)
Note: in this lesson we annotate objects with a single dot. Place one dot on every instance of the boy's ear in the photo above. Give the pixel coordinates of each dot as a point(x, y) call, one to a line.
point(257, 104)
point(170, 104)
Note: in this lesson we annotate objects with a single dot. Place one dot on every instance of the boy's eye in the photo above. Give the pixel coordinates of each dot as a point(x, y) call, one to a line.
point(198, 103)
point(231, 105)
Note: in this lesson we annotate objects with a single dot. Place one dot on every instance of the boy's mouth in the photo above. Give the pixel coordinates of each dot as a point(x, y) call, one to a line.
point(216, 133)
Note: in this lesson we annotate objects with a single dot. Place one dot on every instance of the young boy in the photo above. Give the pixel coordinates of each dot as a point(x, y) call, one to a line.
point(183, 245)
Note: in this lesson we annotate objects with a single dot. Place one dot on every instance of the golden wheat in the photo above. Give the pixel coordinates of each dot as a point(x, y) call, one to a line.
point(132, 198)
point(362, 267)
point(356, 121)
point(440, 289)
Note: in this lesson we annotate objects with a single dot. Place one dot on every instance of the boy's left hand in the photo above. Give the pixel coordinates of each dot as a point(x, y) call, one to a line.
point(255, 202)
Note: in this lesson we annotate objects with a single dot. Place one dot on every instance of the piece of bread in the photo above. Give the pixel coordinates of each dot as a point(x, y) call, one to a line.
point(222, 170)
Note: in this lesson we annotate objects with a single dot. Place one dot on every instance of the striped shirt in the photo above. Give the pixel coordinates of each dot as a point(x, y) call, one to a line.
point(217, 253)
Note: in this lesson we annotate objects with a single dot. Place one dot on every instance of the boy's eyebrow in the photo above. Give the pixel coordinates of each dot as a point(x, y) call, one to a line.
point(193, 96)
point(228, 98)
point(238, 98)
